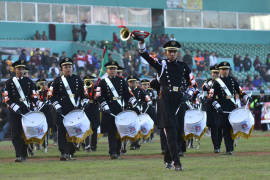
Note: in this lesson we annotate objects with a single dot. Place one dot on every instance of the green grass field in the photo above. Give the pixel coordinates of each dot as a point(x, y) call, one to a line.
point(251, 160)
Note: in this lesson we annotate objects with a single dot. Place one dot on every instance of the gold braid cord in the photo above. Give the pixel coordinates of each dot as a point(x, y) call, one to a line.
point(241, 134)
point(75, 139)
point(33, 139)
point(190, 136)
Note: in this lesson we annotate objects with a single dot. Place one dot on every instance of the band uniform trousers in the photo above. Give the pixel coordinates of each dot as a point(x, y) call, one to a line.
point(216, 133)
point(226, 131)
point(17, 132)
point(64, 146)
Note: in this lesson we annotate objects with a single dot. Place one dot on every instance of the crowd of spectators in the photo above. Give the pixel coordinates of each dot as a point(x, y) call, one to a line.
point(44, 64)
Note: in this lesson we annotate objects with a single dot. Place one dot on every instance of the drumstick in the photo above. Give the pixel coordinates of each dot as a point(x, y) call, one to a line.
point(146, 108)
point(112, 115)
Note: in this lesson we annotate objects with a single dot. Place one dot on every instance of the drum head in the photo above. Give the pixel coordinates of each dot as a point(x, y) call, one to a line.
point(33, 119)
point(239, 115)
point(74, 117)
point(126, 117)
point(194, 116)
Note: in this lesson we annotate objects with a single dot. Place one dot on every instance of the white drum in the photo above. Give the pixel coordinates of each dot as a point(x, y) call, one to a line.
point(127, 124)
point(146, 125)
point(195, 123)
point(242, 122)
point(77, 125)
point(35, 127)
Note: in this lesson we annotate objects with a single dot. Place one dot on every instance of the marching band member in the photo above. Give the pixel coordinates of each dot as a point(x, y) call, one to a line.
point(68, 94)
point(174, 81)
point(21, 93)
point(92, 92)
point(225, 89)
point(114, 94)
point(212, 117)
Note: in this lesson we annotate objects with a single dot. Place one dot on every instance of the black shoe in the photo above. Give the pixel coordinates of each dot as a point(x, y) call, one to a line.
point(71, 157)
point(19, 159)
point(181, 154)
point(229, 153)
point(132, 148)
point(113, 156)
point(168, 165)
point(216, 150)
point(123, 151)
point(178, 167)
point(63, 157)
point(87, 148)
point(163, 152)
point(94, 149)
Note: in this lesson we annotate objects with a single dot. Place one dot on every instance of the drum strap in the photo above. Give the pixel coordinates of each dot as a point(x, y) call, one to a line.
point(19, 89)
point(112, 88)
point(69, 92)
point(225, 88)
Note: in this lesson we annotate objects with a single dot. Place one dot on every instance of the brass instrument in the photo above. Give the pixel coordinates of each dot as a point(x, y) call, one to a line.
point(88, 83)
point(125, 33)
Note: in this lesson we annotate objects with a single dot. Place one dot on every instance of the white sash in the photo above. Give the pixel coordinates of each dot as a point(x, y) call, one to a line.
point(115, 94)
point(227, 91)
point(20, 91)
point(69, 92)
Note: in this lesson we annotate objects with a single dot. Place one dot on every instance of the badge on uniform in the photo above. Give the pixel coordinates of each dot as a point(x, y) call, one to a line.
point(175, 88)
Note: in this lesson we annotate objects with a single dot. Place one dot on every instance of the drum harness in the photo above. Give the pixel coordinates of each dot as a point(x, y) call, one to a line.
point(228, 93)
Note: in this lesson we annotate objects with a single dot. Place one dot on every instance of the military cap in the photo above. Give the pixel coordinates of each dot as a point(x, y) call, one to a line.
point(66, 61)
point(19, 63)
point(120, 69)
point(145, 81)
point(132, 78)
point(26, 69)
point(172, 45)
point(111, 64)
point(88, 77)
point(41, 80)
point(224, 65)
point(214, 68)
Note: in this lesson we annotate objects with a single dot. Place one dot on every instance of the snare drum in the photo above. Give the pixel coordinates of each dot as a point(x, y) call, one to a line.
point(195, 123)
point(127, 124)
point(242, 122)
point(146, 125)
point(77, 125)
point(35, 127)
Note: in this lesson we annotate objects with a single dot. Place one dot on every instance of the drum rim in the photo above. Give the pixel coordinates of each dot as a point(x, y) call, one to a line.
point(36, 112)
point(241, 108)
point(203, 112)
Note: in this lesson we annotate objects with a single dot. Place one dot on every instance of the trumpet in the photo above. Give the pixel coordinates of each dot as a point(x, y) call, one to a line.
point(88, 83)
point(125, 33)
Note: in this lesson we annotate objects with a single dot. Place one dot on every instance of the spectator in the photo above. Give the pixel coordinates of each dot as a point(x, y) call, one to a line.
point(80, 59)
point(257, 64)
point(199, 59)
point(54, 59)
point(96, 62)
point(54, 71)
point(268, 61)
point(188, 59)
point(206, 58)
point(36, 59)
point(44, 37)
point(23, 55)
point(89, 60)
point(257, 82)
point(249, 81)
point(63, 56)
point(213, 59)
point(75, 33)
point(241, 63)
point(247, 63)
point(37, 36)
point(236, 62)
point(45, 60)
point(83, 31)
point(172, 37)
